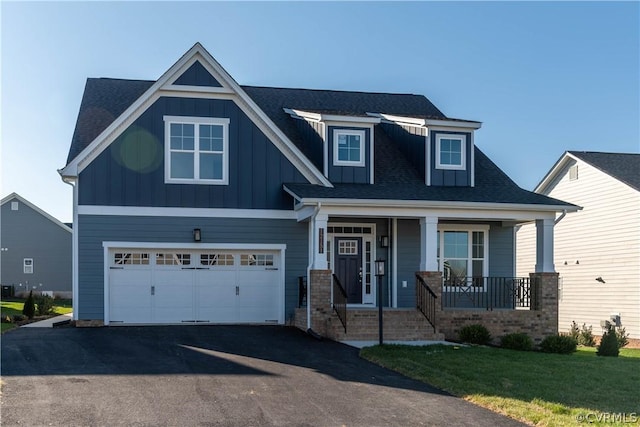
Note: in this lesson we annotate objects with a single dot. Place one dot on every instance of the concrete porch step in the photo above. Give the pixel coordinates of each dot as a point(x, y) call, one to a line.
point(398, 325)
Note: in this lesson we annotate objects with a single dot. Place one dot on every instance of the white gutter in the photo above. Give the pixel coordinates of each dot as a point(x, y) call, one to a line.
point(74, 247)
point(432, 204)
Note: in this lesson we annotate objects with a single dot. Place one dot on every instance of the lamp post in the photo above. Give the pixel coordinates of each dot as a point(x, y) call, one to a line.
point(379, 265)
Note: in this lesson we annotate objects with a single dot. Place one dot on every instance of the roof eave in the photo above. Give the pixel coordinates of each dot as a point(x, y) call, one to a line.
point(430, 204)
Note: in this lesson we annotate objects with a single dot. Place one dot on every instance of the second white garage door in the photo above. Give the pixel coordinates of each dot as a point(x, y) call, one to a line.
point(195, 286)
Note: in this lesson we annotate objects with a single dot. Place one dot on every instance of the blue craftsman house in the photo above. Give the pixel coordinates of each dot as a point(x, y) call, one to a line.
point(198, 200)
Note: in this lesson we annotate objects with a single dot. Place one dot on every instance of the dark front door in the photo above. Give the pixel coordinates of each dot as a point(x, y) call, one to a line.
point(349, 266)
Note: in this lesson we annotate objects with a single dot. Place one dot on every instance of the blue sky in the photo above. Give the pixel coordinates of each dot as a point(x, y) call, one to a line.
point(543, 77)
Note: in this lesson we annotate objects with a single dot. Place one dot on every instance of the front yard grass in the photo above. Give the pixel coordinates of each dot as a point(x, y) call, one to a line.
point(13, 306)
point(536, 388)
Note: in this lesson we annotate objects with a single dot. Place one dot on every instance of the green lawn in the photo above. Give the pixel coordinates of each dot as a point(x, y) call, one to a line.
point(537, 388)
point(14, 306)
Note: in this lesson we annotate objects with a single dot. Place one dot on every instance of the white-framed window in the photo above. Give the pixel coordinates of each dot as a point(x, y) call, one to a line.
point(27, 264)
point(196, 150)
point(348, 147)
point(463, 255)
point(348, 247)
point(573, 173)
point(451, 151)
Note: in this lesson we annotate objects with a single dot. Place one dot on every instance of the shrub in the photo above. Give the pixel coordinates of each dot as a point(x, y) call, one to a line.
point(609, 343)
point(475, 334)
point(18, 318)
point(517, 341)
point(561, 344)
point(574, 331)
point(583, 336)
point(44, 305)
point(623, 337)
point(586, 336)
point(29, 308)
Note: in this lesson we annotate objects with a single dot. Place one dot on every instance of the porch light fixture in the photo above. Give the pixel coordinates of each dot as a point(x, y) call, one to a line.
point(379, 263)
point(600, 279)
point(379, 266)
point(384, 241)
point(197, 236)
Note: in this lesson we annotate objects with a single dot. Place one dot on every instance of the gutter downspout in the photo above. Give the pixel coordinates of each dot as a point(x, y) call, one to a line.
point(74, 248)
point(312, 239)
point(564, 213)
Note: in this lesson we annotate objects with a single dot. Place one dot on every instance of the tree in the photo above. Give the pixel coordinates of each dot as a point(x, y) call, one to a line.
point(29, 308)
point(609, 343)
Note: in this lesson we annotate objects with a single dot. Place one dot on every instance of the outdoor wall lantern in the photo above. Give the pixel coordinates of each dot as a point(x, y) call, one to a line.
point(379, 263)
point(196, 235)
point(384, 241)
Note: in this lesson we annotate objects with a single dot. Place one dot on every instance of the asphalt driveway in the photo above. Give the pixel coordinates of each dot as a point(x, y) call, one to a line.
point(210, 376)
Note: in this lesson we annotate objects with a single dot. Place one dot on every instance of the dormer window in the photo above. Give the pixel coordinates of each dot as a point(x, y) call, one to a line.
point(450, 152)
point(348, 147)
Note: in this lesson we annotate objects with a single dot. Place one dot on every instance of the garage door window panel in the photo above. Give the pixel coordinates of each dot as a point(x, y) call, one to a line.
point(130, 258)
point(217, 259)
point(257, 260)
point(165, 258)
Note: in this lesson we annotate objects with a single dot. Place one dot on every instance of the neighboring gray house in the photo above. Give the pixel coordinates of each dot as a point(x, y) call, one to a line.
point(36, 249)
point(198, 200)
point(597, 250)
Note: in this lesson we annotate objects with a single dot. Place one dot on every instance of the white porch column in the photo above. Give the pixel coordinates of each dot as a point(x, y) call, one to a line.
point(429, 243)
point(544, 246)
point(319, 249)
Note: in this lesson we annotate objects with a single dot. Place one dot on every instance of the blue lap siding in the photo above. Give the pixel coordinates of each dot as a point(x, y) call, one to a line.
point(99, 228)
point(131, 171)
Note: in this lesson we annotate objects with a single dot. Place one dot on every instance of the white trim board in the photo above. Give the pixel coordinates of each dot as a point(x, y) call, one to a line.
point(185, 212)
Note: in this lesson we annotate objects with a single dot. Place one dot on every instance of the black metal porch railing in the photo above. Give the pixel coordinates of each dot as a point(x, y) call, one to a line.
point(487, 293)
point(426, 301)
point(340, 301)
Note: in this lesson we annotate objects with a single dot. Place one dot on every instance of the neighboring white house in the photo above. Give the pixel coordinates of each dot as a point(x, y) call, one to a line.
point(597, 249)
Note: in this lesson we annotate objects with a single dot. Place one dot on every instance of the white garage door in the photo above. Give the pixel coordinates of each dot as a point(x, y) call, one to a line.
point(195, 286)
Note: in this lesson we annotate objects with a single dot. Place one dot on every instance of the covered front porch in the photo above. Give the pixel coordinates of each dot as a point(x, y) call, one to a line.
point(444, 268)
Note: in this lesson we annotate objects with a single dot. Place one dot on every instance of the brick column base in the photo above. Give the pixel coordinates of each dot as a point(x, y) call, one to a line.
point(544, 300)
point(319, 299)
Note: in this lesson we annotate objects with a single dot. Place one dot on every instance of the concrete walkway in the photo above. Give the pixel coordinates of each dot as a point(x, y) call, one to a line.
point(48, 323)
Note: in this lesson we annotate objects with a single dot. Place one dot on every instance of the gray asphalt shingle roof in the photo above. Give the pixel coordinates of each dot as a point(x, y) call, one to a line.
point(105, 99)
point(625, 167)
point(102, 102)
point(396, 179)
